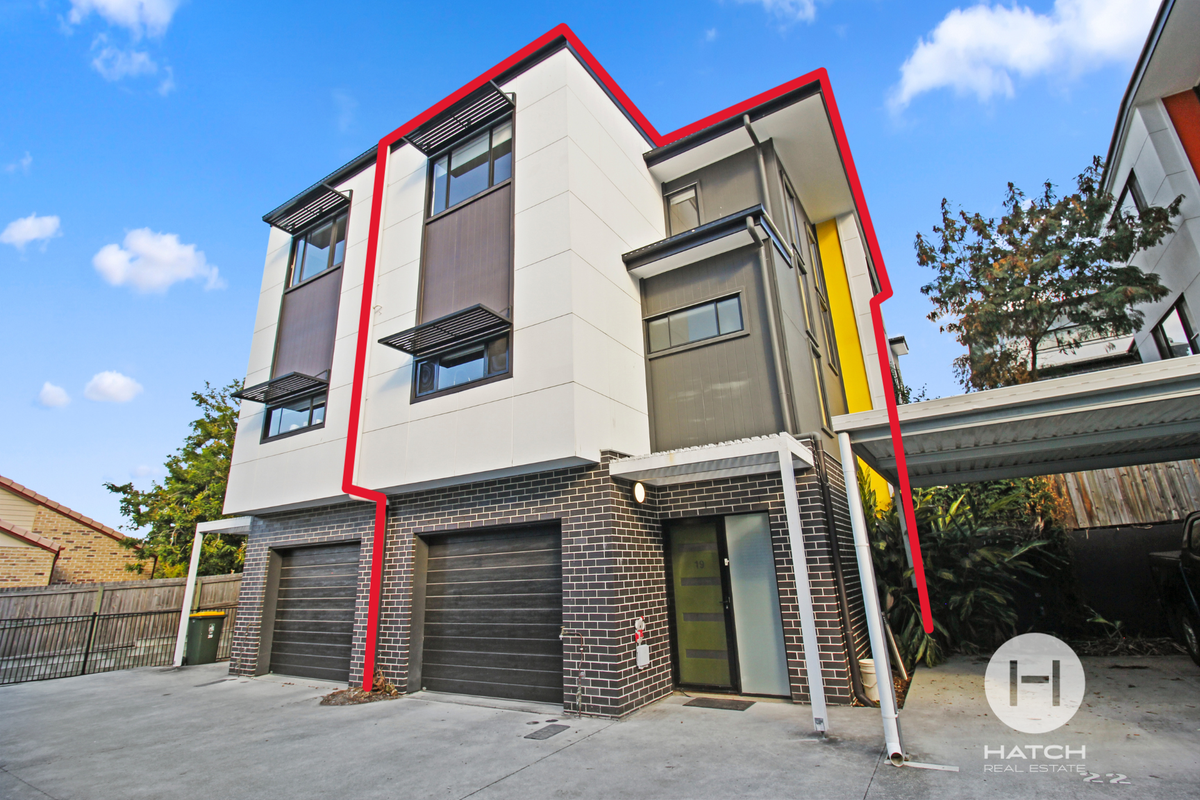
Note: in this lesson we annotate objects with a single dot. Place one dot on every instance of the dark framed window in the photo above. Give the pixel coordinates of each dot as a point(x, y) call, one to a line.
point(473, 166)
point(295, 416)
point(683, 210)
point(463, 366)
point(1131, 201)
point(320, 248)
point(818, 267)
point(695, 324)
point(1175, 335)
point(819, 382)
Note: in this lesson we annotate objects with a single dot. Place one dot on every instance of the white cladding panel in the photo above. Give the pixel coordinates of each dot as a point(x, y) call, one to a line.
point(306, 468)
point(1152, 150)
point(582, 197)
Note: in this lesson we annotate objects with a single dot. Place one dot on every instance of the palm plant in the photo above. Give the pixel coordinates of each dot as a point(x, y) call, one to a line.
point(974, 567)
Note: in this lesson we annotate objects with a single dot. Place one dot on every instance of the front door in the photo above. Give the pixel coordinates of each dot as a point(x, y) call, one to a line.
point(727, 621)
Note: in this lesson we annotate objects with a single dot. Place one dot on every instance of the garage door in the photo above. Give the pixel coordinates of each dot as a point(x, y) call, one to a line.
point(493, 611)
point(314, 612)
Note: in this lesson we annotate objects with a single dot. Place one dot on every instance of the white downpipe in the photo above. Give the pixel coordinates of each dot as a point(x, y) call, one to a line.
point(189, 591)
point(808, 623)
point(866, 571)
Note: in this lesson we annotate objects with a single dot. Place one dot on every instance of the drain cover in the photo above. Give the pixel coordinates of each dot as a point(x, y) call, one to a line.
point(715, 702)
point(547, 732)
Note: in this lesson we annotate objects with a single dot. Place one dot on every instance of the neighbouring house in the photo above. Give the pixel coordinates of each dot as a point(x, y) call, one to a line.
point(44, 542)
point(585, 373)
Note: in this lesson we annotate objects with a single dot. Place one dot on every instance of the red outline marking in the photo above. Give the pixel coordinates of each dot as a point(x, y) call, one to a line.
point(565, 33)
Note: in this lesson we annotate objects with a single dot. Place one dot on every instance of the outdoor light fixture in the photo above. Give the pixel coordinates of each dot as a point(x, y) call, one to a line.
point(639, 492)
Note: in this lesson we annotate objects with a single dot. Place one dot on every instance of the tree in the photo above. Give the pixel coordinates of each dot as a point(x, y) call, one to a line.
point(193, 491)
point(1053, 269)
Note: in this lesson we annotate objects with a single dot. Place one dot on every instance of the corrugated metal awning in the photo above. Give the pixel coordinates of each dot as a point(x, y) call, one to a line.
point(755, 456)
point(1141, 414)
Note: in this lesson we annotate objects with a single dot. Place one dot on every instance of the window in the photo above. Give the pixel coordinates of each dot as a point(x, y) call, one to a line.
point(1175, 335)
point(460, 367)
point(319, 249)
point(696, 324)
point(1131, 200)
point(477, 164)
point(295, 416)
point(818, 267)
point(683, 211)
point(819, 381)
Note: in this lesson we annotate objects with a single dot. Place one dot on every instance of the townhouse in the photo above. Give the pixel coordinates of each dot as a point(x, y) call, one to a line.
point(538, 401)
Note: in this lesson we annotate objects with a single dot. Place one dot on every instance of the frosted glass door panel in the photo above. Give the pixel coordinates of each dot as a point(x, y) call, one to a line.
point(762, 660)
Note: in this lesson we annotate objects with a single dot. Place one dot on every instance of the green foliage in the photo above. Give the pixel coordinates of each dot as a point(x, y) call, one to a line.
point(193, 491)
point(977, 559)
point(1051, 270)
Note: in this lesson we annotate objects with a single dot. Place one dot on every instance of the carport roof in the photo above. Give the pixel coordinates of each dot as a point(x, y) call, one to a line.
point(1146, 413)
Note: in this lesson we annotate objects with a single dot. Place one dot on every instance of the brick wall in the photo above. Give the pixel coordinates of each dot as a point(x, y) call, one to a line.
point(88, 556)
point(614, 570)
point(25, 566)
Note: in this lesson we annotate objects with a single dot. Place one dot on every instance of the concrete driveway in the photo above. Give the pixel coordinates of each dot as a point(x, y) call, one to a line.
point(197, 732)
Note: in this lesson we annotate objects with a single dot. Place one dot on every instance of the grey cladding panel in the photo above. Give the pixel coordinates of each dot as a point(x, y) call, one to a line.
point(725, 187)
point(720, 391)
point(468, 257)
point(307, 326)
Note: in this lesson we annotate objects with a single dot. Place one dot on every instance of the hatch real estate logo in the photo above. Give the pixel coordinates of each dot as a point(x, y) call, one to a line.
point(1034, 684)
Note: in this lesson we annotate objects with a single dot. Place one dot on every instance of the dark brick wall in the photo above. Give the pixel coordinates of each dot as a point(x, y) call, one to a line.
point(614, 570)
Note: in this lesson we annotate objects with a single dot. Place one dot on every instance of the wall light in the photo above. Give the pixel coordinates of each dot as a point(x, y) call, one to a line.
point(639, 492)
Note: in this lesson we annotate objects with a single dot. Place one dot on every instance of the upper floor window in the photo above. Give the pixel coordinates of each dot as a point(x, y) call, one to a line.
point(696, 324)
point(683, 211)
point(1175, 335)
point(477, 164)
point(319, 249)
point(1131, 200)
point(460, 367)
point(295, 416)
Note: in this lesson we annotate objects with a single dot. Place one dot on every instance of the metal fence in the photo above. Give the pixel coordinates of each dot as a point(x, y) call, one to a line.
point(61, 647)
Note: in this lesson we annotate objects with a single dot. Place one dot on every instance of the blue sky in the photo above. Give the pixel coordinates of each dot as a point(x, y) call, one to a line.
point(142, 141)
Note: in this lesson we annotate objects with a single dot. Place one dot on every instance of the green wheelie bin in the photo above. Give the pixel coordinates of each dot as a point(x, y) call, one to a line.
point(203, 636)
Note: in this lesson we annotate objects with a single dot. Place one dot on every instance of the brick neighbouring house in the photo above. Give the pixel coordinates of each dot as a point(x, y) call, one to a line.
point(595, 357)
point(43, 542)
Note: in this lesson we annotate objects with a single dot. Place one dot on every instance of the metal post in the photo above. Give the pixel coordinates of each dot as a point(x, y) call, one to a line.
point(866, 570)
point(189, 589)
point(808, 622)
point(87, 649)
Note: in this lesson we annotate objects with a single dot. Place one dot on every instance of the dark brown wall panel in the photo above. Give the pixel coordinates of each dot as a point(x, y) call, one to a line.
point(728, 186)
point(720, 391)
point(307, 325)
point(468, 257)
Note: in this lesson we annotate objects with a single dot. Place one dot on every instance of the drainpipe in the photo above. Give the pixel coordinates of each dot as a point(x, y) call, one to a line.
point(866, 571)
point(856, 684)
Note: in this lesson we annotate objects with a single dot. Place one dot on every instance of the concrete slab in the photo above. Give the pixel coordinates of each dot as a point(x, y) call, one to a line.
point(199, 733)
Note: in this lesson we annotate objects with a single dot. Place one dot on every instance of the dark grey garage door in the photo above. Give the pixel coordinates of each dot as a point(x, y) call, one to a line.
point(493, 611)
point(314, 612)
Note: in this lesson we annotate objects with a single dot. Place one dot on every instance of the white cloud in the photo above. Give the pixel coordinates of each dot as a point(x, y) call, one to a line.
point(143, 471)
point(22, 164)
point(52, 396)
point(167, 85)
point(789, 10)
point(114, 63)
point(710, 35)
point(149, 16)
point(152, 262)
point(979, 50)
point(21, 232)
point(112, 387)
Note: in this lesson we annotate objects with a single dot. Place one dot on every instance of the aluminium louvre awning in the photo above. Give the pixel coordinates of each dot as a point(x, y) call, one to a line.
point(460, 328)
point(754, 456)
point(1140, 414)
point(483, 106)
point(285, 387)
point(317, 201)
